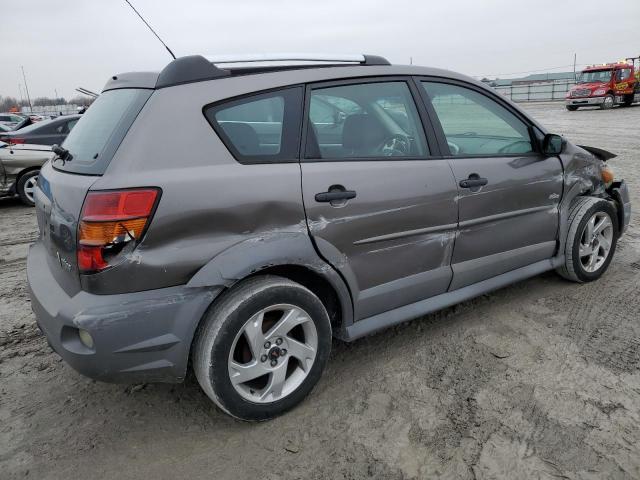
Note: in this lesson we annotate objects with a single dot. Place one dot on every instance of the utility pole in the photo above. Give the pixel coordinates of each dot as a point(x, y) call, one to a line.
point(27, 89)
point(574, 67)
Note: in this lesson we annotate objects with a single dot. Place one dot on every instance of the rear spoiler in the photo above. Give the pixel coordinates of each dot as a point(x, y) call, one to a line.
point(599, 153)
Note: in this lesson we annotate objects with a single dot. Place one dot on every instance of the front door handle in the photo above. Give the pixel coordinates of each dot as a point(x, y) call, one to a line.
point(335, 195)
point(474, 181)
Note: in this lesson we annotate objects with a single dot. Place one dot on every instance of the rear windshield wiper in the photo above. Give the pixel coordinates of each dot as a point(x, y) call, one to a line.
point(61, 153)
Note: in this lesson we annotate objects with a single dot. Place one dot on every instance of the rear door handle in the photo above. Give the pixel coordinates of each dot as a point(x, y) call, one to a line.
point(335, 195)
point(473, 181)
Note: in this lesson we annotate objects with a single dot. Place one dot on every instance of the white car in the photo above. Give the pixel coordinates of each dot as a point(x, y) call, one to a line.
point(10, 119)
point(19, 169)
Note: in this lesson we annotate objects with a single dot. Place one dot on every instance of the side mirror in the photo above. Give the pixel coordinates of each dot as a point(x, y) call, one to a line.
point(552, 144)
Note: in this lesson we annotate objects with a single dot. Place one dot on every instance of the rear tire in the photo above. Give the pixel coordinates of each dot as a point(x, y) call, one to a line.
point(590, 244)
point(571, 108)
point(262, 347)
point(26, 187)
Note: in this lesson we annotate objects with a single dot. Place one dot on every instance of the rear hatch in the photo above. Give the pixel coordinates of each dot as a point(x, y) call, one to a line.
point(63, 184)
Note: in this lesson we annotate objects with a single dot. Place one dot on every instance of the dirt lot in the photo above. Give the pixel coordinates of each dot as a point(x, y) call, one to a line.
point(538, 380)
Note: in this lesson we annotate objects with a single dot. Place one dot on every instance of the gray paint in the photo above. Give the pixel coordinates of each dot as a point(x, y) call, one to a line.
point(518, 208)
point(429, 305)
point(394, 252)
point(158, 323)
point(408, 211)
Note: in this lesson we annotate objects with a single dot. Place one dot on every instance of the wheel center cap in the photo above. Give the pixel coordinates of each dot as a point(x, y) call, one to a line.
point(275, 353)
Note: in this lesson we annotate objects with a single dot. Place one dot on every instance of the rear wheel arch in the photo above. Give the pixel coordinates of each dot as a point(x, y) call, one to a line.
point(314, 282)
point(292, 256)
point(25, 171)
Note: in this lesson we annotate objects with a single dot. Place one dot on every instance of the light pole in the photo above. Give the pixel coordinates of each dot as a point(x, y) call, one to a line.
point(27, 89)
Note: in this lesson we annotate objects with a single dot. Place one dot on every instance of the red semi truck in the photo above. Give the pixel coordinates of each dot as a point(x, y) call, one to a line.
point(606, 85)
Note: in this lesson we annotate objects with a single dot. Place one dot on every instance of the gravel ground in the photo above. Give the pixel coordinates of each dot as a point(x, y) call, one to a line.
point(537, 380)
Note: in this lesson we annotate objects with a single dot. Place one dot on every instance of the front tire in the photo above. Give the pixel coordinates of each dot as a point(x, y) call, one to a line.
point(26, 187)
point(608, 102)
point(571, 108)
point(591, 239)
point(262, 347)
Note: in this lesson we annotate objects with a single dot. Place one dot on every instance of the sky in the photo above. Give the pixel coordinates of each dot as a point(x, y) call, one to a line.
point(67, 44)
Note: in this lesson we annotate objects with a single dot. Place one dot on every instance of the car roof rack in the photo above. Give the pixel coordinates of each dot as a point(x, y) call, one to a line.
point(197, 68)
point(285, 59)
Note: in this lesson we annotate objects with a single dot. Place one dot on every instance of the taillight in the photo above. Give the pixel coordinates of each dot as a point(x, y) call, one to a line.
point(14, 140)
point(109, 222)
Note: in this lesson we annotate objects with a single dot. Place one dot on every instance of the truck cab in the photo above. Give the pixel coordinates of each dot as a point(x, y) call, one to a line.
point(605, 86)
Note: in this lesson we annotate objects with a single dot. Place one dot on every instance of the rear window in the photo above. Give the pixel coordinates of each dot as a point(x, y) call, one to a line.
point(95, 138)
point(260, 128)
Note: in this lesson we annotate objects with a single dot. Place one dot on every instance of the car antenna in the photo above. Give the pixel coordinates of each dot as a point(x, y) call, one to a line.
point(152, 30)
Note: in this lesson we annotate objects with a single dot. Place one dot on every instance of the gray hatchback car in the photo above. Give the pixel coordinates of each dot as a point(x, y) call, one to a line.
point(296, 201)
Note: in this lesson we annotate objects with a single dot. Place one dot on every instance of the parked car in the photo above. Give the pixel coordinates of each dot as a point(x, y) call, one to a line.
point(293, 203)
point(10, 119)
point(45, 132)
point(19, 168)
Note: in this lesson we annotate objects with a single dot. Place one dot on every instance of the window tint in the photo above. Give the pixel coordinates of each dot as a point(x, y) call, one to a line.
point(260, 128)
point(369, 120)
point(474, 124)
point(98, 133)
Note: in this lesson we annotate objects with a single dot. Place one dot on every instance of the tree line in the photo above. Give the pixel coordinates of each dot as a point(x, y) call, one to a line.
point(6, 103)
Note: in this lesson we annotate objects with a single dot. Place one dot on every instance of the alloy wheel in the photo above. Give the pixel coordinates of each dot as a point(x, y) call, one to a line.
point(273, 353)
point(595, 241)
point(29, 187)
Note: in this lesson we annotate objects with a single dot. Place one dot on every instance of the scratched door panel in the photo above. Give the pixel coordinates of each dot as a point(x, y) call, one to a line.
point(393, 241)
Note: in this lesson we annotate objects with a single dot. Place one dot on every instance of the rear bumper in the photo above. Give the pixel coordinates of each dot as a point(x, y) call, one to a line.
point(586, 101)
point(620, 193)
point(142, 336)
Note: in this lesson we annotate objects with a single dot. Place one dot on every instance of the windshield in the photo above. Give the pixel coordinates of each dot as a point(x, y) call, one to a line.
point(595, 76)
point(97, 135)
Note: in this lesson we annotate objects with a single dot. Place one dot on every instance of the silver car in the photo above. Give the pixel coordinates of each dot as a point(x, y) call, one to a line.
point(19, 169)
point(293, 203)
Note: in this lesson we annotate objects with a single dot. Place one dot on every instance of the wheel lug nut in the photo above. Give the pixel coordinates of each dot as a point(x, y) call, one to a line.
point(263, 358)
point(274, 363)
point(283, 351)
point(267, 344)
point(279, 341)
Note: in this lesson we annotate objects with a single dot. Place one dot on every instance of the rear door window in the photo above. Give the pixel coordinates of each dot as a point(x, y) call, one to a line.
point(95, 138)
point(262, 128)
point(369, 120)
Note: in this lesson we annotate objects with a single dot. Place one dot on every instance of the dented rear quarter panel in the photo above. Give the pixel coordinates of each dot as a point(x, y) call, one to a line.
point(209, 201)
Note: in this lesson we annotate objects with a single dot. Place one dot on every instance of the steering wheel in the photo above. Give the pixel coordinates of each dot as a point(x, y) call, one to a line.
point(508, 148)
point(395, 145)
